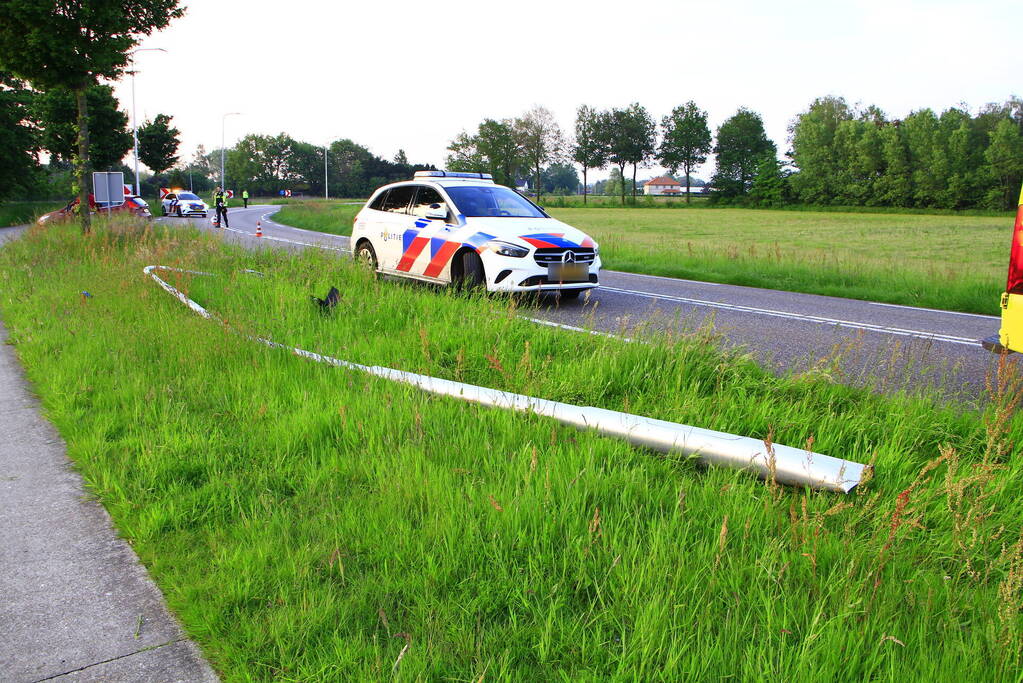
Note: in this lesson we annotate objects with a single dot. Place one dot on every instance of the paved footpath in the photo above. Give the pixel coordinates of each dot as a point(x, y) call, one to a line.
point(75, 603)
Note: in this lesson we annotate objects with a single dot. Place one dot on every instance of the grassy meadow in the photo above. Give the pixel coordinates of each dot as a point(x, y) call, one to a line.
point(312, 523)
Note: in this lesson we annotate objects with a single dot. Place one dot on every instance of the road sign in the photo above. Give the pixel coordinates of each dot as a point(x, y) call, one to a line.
point(108, 188)
point(164, 191)
point(287, 193)
point(230, 194)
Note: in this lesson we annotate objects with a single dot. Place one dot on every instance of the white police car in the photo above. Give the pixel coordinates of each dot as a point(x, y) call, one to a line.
point(182, 203)
point(462, 228)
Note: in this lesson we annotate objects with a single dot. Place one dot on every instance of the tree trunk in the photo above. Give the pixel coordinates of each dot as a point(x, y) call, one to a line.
point(634, 183)
point(621, 171)
point(536, 179)
point(584, 185)
point(687, 184)
point(82, 162)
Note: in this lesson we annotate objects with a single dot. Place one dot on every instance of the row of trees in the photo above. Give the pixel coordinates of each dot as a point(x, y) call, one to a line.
point(857, 156)
point(266, 164)
point(618, 138)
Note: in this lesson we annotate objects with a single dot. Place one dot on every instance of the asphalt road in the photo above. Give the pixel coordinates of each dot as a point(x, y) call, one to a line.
point(883, 346)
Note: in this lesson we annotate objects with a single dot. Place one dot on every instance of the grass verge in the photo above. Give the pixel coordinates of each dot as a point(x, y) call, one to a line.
point(309, 523)
point(331, 216)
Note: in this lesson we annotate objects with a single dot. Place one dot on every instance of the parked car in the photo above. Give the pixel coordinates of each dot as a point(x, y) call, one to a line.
point(1010, 335)
point(133, 204)
point(182, 203)
point(462, 228)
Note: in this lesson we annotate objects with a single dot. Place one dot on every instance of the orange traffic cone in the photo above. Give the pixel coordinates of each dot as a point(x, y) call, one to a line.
point(259, 229)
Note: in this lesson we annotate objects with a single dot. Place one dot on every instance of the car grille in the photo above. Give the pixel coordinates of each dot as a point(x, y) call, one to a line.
point(549, 255)
point(533, 280)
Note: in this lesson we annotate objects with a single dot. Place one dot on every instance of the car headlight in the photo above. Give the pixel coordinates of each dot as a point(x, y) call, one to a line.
point(596, 249)
point(507, 249)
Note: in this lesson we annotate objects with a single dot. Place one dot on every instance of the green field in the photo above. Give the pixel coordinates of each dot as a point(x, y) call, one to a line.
point(307, 522)
point(951, 262)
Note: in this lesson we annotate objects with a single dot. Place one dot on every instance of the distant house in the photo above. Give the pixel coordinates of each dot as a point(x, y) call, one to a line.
point(662, 185)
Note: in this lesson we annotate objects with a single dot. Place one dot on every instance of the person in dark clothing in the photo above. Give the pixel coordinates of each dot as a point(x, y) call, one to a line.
point(220, 203)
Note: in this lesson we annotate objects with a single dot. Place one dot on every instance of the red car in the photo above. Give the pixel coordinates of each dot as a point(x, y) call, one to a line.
point(133, 204)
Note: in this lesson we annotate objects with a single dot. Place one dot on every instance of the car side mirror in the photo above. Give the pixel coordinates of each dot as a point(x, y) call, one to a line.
point(438, 211)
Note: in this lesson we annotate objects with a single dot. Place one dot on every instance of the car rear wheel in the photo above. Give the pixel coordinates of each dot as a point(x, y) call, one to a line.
point(179, 213)
point(364, 255)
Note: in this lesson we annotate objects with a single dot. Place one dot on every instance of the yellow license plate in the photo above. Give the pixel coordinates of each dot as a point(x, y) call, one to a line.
point(568, 272)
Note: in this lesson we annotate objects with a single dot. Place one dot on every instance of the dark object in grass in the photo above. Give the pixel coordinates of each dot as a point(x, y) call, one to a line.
point(328, 302)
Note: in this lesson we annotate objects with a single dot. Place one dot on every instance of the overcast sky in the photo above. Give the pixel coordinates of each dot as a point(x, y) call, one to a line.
point(411, 75)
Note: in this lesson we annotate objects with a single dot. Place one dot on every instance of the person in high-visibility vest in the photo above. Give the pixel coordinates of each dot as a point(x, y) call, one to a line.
point(245, 198)
point(220, 203)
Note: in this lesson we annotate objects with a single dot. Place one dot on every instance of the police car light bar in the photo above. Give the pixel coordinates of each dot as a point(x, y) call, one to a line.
point(453, 174)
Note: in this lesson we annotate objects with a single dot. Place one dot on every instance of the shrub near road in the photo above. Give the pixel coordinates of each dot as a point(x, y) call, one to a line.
point(310, 523)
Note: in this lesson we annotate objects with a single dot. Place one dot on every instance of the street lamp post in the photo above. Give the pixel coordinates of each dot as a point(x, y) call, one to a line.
point(326, 194)
point(134, 119)
point(222, 120)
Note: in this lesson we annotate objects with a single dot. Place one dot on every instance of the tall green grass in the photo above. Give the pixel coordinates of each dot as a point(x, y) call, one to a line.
point(309, 523)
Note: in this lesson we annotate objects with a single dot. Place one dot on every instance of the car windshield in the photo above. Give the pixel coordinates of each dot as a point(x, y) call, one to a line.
point(492, 202)
point(186, 195)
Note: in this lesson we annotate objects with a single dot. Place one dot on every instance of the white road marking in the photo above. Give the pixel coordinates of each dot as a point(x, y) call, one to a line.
point(281, 239)
point(662, 277)
point(572, 328)
point(820, 320)
point(935, 310)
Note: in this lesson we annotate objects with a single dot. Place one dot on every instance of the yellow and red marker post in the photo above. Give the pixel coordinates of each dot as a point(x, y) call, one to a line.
point(1010, 336)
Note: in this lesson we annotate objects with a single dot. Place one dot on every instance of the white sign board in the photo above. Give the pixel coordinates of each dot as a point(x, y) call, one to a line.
point(108, 189)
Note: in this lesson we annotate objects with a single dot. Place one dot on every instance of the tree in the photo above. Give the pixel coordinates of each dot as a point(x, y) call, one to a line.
point(770, 187)
point(632, 140)
point(158, 144)
point(560, 179)
point(18, 140)
point(69, 45)
point(465, 154)
point(813, 149)
point(501, 149)
point(109, 139)
point(590, 149)
point(1004, 158)
point(400, 158)
point(686, 141)
point(741, 146)
point(541, 141)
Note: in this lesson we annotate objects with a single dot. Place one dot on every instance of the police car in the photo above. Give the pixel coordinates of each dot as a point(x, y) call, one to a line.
point(462, 228)
point(182, 203)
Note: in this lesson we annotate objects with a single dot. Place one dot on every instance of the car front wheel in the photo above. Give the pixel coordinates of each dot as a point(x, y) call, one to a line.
point(473, 275)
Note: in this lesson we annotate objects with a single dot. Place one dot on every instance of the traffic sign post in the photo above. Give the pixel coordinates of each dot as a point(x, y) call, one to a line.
point(108, 189)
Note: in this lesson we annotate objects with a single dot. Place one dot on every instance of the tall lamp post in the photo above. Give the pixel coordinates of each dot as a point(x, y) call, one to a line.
point(222, 120)
point(134, 119)
point(326, 194)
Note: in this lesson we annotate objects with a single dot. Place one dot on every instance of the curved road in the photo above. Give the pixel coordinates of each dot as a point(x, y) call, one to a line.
point(884, 346)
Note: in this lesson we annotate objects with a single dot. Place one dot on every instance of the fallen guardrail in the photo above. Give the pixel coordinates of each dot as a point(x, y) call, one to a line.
point(783, 464)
